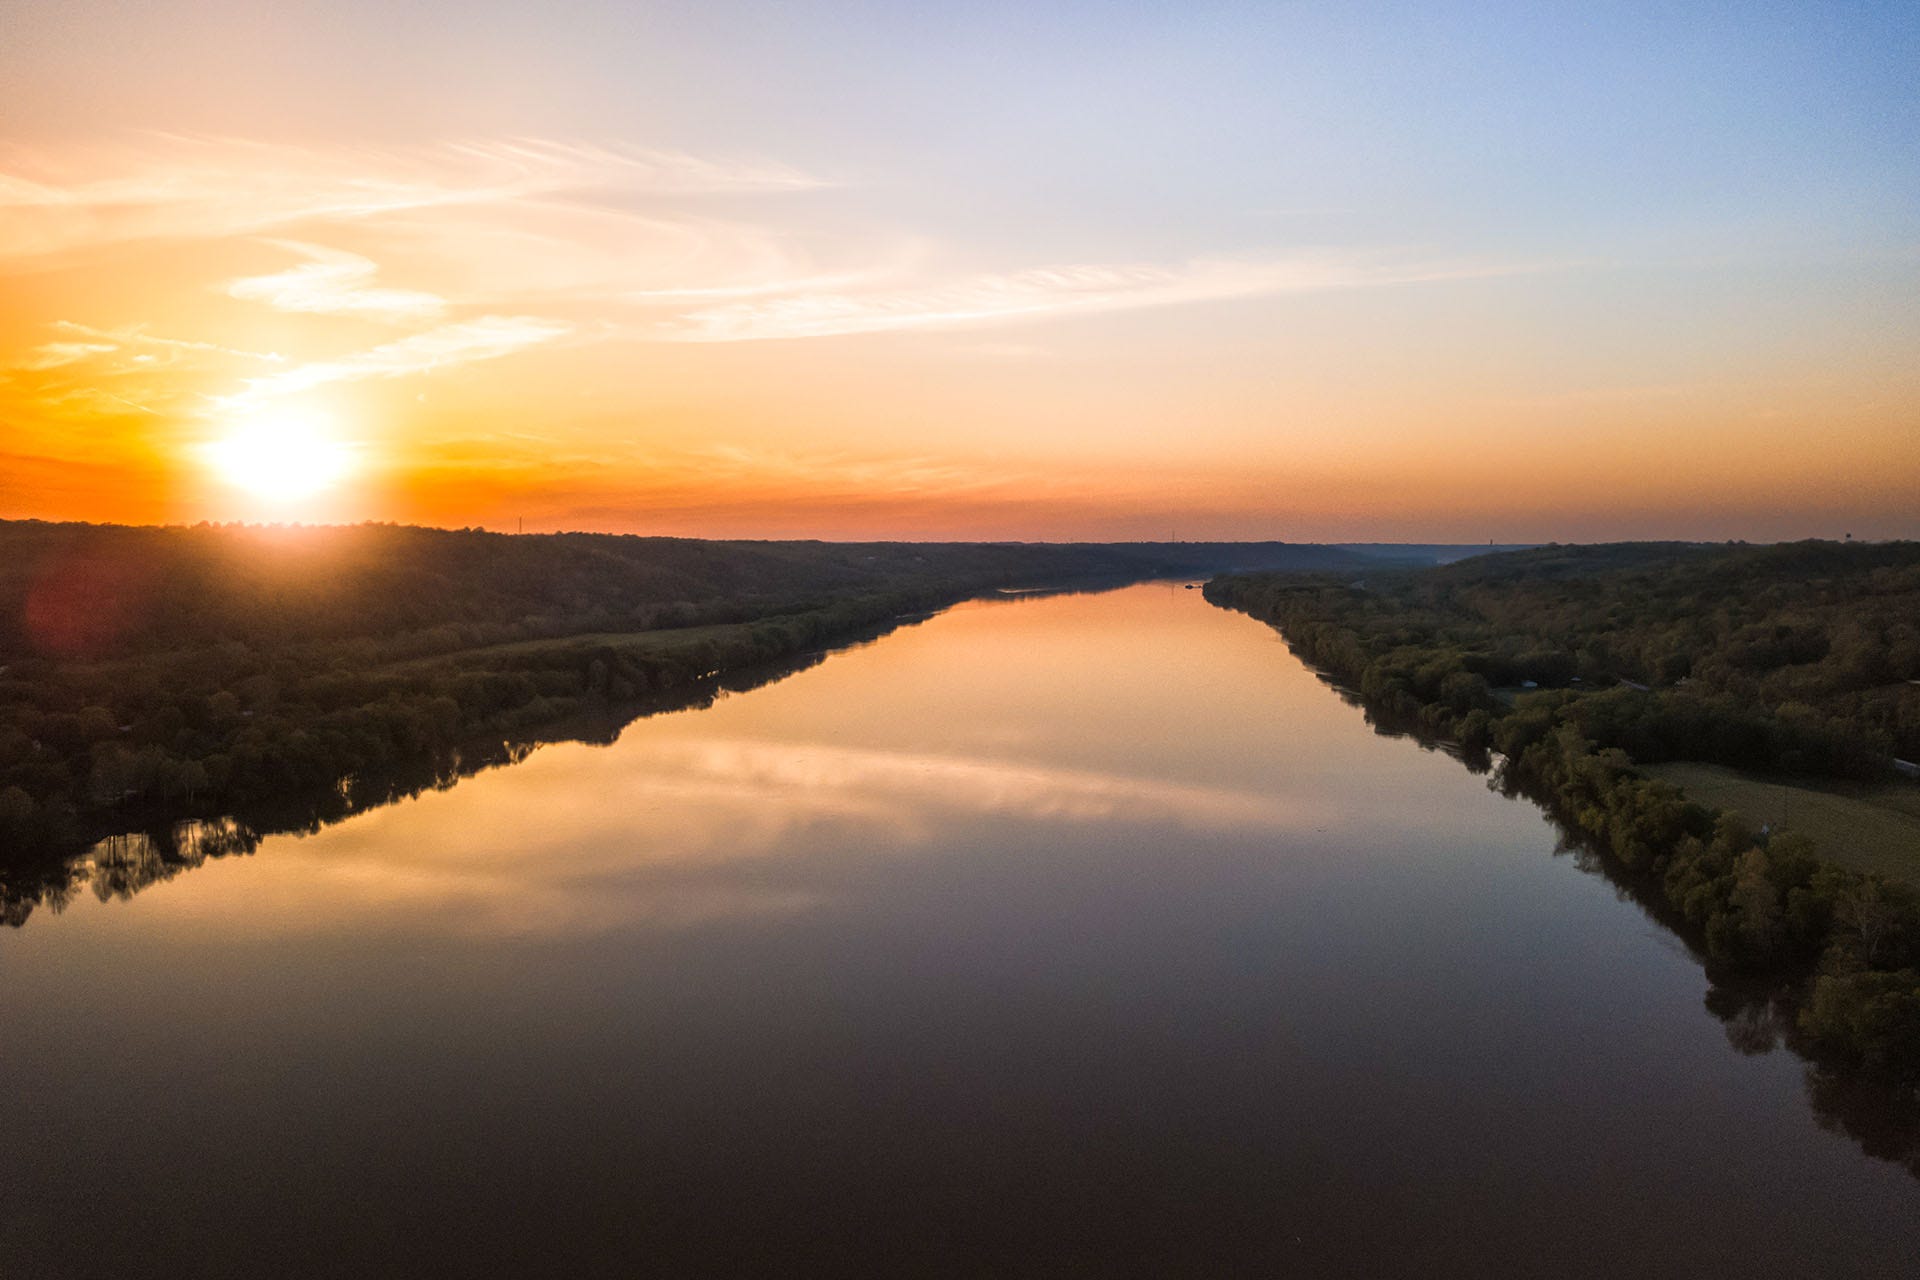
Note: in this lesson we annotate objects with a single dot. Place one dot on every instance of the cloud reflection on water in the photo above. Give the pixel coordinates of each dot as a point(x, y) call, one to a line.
point(677, 830)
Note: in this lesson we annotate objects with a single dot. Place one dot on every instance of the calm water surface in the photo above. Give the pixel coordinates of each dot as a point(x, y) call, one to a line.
point(1074, 935)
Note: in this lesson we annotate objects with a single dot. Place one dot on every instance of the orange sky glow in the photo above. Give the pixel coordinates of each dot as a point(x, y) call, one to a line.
point(592, 309)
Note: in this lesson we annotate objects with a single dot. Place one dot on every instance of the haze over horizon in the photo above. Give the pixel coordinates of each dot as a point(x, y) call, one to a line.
point(987, 271)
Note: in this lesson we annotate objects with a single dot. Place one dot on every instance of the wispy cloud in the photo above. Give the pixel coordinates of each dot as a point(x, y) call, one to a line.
point(55, 355)
point(509, 245)
point(90, 372)
point(469, 341)
point(334, 282)
point(506, 236)
point(135, 340)
point(1045, 292)
point(172, 186)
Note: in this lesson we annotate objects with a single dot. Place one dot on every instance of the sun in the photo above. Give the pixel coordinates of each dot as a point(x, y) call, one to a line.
point(281, 457)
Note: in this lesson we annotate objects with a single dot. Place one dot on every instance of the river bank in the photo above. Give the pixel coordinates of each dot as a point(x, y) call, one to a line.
point(1840, 948)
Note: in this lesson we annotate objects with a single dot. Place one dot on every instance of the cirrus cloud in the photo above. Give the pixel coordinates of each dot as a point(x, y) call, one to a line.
point(1047, 292)
point(171, 186)
point(466, 342)
point(334, 282)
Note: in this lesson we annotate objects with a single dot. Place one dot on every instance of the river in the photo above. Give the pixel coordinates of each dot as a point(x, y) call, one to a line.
point(1079, 934)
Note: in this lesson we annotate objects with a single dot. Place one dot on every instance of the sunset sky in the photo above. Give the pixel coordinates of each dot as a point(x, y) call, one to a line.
point(1027, 270)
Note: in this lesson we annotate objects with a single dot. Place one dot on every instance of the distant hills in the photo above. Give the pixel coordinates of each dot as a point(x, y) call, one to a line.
point(114, 590)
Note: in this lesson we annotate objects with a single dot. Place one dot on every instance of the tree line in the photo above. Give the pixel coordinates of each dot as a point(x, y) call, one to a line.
point(165, 845)
point(1576, 663)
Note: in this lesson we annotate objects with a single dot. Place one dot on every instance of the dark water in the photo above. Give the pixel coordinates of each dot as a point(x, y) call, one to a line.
point(1079, 935)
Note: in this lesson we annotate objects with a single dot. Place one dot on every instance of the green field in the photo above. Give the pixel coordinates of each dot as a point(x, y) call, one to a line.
point(1874, 829)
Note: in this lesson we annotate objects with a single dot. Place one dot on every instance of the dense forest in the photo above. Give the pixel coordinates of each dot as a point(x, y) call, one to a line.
point(149, 675)
point(102, 591)
point(130, 861)
point(1574, 664)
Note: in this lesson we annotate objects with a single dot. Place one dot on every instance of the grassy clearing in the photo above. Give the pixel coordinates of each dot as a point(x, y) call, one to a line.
point(1872, 829)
